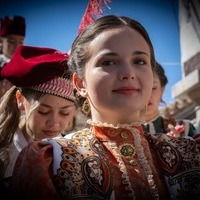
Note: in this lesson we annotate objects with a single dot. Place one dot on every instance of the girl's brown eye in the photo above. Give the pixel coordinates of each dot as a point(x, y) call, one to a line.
point(64, 114)
point(43, 113)
point(108, 62)
point(140, 62)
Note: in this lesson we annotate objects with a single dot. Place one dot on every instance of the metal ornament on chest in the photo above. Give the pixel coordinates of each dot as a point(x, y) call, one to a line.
point(128, 151)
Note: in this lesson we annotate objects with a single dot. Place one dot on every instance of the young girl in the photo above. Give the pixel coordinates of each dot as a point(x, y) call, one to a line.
point(154, 122)
point(39, 105)
point(112, 61)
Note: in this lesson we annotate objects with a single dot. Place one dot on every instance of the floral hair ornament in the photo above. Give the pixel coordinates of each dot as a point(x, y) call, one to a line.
point(94, 8)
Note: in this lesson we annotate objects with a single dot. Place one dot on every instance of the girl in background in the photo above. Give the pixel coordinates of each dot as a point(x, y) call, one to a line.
point(40, 105)
point(154, 122)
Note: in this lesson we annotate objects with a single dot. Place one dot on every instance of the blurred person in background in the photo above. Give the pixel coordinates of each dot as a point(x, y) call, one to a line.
point(154, 122)
point(41, 103)
point(12, 34)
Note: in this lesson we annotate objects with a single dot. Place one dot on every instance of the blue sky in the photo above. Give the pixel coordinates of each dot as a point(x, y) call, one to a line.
point(54, 23)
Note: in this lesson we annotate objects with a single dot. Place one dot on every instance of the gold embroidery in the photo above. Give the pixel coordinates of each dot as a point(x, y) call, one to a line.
point(124, 135)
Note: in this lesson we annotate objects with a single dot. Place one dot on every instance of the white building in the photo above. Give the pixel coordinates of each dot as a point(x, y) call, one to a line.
point(187, 91)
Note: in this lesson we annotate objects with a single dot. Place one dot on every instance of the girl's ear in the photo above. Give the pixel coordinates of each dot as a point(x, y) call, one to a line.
point(20, 100)
point(79, 85)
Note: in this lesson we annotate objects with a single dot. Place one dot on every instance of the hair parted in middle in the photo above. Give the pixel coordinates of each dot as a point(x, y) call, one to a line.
point(79, 54)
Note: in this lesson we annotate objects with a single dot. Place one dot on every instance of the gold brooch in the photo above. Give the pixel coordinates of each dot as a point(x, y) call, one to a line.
point(127, 150)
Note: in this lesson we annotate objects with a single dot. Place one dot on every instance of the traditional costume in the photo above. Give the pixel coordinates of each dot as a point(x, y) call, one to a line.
point(40, 70)
point(107, 162)
point(162, 125)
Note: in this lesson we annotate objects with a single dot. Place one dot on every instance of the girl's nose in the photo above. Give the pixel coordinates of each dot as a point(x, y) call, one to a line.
point(127, 76)
point(127, 72)
point(53, 121)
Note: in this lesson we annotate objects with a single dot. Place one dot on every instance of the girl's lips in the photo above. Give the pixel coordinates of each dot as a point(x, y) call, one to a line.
point(126, 91)
point(51, 133)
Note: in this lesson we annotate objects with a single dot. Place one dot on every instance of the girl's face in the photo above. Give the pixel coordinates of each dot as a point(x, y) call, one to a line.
point(155, 99)
point(10, 44)
point(118, 78)
point(51, 117)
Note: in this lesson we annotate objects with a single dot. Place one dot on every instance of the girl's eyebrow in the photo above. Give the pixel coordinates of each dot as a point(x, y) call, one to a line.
point(139, 53)
point(107, 53)
point(64, 107)
point(115, 54)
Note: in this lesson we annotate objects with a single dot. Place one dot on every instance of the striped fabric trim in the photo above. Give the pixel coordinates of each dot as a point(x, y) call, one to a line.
point(58, 86)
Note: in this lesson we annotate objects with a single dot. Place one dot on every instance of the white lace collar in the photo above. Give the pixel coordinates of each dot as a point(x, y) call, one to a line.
point(105, 124)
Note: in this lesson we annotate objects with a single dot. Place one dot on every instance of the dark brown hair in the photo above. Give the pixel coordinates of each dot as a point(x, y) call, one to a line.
point(160, 72)
point(80, 53)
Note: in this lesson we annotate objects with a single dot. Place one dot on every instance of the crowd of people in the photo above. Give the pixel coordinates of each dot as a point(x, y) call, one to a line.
point(124, 148)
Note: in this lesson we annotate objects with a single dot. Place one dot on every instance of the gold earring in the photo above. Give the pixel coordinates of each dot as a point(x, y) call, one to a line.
point(86, 108)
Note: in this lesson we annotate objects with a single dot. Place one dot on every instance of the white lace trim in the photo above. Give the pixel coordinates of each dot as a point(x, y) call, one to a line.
point(122, 167)
point(142, 159)
point(105, 124)
point(145, 165)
